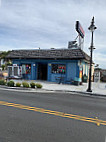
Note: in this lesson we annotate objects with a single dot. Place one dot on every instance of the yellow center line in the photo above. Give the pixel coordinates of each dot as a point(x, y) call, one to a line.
point(57, 113)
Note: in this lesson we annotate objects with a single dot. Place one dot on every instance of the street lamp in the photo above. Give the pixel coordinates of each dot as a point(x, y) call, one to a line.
point(92, 28)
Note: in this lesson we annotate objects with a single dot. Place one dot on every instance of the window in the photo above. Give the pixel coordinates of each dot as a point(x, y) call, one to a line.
point(58, 68)
point(26, 69)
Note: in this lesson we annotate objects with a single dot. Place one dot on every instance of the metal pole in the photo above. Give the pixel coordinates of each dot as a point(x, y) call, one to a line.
point(91, 28)
point(90, 69)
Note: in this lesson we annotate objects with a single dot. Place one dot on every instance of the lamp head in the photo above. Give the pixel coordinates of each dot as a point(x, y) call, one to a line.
point(92, 27)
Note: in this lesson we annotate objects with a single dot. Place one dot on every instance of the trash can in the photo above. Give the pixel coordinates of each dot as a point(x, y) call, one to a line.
point(85, 78)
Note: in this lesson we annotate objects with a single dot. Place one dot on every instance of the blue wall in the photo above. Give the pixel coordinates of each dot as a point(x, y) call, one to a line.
point(72, 68)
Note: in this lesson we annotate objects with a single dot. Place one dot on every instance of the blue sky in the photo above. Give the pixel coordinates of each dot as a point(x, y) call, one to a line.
point(30, 24)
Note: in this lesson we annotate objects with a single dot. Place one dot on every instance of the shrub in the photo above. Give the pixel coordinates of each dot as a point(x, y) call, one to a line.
point(25, 84)
point(18, 84)
point(38, 85)
point(3, 67)
point(10, 83)
point(2, 82)
point(32, 84)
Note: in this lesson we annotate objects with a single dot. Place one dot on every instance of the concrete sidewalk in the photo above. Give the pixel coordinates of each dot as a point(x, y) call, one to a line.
point(97, 88)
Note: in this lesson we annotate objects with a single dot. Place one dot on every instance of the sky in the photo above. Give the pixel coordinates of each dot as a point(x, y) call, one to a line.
point(30, 24)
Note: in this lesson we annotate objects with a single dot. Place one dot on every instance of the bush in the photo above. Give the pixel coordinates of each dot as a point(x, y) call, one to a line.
point(3, 67)
point(10, 83)
point(32, 84)
point(25, 84)
point(2, 82)
point(38, 85)
point(18, 84)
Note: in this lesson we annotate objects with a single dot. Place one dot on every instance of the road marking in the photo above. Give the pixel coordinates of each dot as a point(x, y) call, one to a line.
point(95, 120)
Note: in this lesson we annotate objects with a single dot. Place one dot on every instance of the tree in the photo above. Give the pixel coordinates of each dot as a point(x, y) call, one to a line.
point(4, 54)
point(3, 67)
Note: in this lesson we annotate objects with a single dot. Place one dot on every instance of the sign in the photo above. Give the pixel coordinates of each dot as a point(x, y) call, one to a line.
point(79, 29)
point(15, 65)
point(80, 75)
point(72, 44)
point(80, 72)
point(96, 76)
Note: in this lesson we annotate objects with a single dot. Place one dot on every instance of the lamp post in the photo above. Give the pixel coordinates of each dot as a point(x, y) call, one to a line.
point(92, 28)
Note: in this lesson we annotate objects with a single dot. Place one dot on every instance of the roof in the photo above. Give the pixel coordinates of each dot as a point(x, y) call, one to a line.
point(48, 54)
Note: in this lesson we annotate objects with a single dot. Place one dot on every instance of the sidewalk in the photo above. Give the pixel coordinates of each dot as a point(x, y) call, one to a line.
point(97, 88)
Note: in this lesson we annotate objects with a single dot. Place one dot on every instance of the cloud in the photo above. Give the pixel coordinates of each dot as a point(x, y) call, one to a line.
point(100, 59)
point(50, 23)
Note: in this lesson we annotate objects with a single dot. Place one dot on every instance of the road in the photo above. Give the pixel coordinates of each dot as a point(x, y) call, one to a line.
point(41, 124)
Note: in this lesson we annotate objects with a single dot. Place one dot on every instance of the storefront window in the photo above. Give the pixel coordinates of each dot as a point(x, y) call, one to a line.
point(26, 69)
point(58, 68)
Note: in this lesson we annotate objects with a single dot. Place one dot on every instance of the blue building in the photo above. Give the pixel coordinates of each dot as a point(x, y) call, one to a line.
point(50, 64)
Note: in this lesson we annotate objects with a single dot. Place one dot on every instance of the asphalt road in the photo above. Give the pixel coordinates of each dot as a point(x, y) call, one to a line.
point(23, 125)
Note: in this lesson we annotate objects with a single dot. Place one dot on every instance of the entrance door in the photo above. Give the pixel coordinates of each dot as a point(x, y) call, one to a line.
point(42, 71)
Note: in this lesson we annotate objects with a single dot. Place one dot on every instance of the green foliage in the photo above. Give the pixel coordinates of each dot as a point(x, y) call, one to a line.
point(3, 67)
point(97, 69)
point(4, 54)
point(38, 85)
point(18, 84)
point(9, 63)
point(25, 84)
point(32, 84)
point(103, 79)
point(11, 83)
point(2, 82)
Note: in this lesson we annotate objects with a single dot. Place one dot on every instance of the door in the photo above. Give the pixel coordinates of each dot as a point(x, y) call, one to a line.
point(42, 71)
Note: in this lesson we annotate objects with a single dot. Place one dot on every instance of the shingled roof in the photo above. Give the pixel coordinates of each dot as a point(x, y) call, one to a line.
point(69, 54)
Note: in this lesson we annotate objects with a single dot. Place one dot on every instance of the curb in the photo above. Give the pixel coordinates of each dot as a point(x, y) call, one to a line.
point(41, 90)
point(20, 88)
point(68, 91)
point(17, 88)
